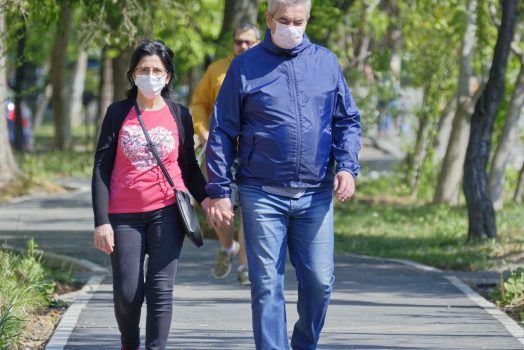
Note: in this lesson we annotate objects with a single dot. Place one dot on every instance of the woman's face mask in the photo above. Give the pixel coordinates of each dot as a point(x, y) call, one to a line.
point(149, 85)
point(287, 36)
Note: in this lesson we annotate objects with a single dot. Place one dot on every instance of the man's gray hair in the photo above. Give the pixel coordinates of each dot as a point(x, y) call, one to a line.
point(244, 27)
point(272, 5)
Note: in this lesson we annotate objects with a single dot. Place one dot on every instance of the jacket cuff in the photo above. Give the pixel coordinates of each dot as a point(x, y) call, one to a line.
point(216, 191)
point(353, 169)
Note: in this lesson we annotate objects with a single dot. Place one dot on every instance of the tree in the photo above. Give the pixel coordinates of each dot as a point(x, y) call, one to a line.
point(481, 215)
point(237, 12)
point(62, 122)
point(429, 29)
point(74, 108)
point(448, 185)
point(440, 143)
point(517, 197)
point(508, 139)
point(8, 167)
point(19, 83)
point(105, 89)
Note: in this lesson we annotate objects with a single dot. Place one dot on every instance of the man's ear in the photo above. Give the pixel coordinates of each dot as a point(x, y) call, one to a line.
point(268, 21)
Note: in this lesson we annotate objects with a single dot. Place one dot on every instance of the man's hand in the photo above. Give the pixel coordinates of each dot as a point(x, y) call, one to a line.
point(344, 185)
point(104, 238)
point(220, 212)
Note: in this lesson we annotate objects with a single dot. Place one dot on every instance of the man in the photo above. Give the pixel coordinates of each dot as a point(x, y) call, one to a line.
point(244, 37)
point(298, 130)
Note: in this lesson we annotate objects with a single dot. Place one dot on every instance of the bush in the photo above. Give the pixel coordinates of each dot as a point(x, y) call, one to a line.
point(511, 291)
point(25, 288)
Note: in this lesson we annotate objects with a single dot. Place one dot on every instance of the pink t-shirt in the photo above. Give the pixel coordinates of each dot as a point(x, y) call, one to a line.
point(137, 182)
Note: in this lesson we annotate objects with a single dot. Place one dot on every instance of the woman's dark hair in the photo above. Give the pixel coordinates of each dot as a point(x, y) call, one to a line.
point(150, 48)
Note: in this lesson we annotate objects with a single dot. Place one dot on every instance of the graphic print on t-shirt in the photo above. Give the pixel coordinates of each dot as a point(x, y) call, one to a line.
point(134, 145)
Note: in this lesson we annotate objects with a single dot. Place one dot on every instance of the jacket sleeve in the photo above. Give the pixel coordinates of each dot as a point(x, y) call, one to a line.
point(202, 104)
point(225, 128)
point(103, 166)
point(193, 178)
point(346, 129)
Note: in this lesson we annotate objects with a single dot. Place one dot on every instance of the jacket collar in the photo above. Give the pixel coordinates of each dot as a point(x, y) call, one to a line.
point(269, 45)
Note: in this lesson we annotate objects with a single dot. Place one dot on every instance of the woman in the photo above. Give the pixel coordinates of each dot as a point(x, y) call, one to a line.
point(133, 203)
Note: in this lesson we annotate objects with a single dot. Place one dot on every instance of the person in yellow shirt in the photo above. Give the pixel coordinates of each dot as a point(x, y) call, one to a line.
point(244, 37)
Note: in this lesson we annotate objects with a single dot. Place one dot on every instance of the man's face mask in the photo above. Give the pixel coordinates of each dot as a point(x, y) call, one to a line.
point(288, 36)
point(149, 85)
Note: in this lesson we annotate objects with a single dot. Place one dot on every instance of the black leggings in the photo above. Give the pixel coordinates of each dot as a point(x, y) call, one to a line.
point(158, 234)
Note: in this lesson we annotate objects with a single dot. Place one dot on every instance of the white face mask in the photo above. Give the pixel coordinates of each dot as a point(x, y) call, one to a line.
point(149, 85)
point(287, 36)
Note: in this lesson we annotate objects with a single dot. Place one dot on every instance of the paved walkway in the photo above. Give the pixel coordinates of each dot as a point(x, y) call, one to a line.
point(376, 303)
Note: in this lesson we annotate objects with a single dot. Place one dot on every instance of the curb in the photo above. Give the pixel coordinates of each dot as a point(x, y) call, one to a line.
point(69, 319)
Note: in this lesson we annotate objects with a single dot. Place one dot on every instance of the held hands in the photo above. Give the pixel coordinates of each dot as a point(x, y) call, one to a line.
point(344, 185)
point(219, 211)
point(104, 238)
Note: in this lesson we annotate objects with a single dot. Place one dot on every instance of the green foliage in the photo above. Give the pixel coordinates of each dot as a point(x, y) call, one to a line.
point(190, 29)
point(10, 325)
point(25, 287)
point(511, 292)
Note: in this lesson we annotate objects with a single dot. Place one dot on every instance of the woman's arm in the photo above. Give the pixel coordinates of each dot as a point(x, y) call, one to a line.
point(191, 173)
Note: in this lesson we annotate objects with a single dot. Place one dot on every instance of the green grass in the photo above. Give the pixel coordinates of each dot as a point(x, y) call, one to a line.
point(429, 234)
point(26, 287)
point(46, 163)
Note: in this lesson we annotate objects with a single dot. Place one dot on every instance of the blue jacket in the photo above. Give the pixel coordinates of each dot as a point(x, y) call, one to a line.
point(288, 115)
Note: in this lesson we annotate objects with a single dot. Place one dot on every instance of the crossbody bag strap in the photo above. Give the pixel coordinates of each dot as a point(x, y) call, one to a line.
point(153, 148)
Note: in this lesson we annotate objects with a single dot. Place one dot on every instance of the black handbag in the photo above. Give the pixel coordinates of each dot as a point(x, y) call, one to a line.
point(183, 201)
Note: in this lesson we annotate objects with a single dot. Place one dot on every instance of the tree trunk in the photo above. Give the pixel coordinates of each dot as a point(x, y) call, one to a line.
point(509, 138)
point(105, 89)
point(19, 84)
point(43, 103)
point(394, 35)
point(448, 186)
point(62, 121)
point(8, 167)
point(362, 40)
point(237, 12)
point(517, 197)
point(481, 215)
point(120, 65)
point(77, 91)
point(416, 159)
point(444, 128)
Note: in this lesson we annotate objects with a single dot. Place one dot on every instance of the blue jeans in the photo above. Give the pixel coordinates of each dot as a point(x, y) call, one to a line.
point(305, 227)
point(158, 234)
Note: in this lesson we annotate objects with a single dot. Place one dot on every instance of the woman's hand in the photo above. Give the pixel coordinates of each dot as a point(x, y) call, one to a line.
point(206, 204)
point(104, 238)
point(219, 212)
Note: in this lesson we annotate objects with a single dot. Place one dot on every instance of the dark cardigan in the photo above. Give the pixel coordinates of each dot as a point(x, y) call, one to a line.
point(106, 152)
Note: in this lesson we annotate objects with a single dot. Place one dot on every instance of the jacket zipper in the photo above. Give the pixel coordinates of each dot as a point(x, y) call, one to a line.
point(299, 143)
